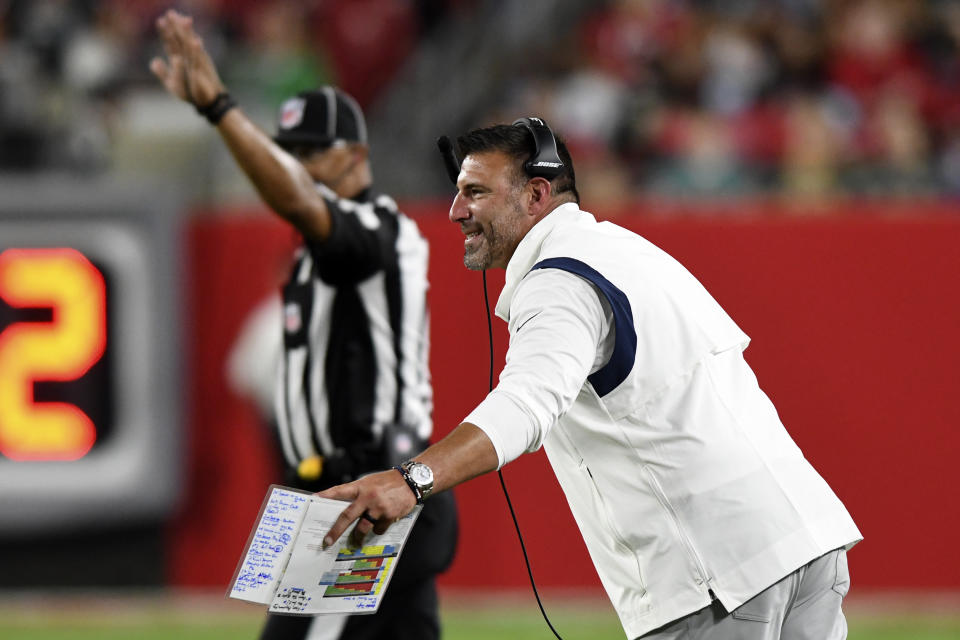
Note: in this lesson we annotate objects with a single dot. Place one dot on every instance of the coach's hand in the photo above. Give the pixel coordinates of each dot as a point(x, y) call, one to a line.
point(188, 72)
point(377, 501)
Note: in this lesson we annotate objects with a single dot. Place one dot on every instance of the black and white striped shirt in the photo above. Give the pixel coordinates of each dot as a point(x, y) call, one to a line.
point(355, 382)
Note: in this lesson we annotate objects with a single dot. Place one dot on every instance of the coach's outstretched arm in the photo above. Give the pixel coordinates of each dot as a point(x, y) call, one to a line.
point(466, 452)
point(284, 184)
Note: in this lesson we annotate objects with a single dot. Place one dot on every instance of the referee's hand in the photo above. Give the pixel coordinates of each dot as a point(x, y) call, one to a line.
point(377, 501)
point(187, 72)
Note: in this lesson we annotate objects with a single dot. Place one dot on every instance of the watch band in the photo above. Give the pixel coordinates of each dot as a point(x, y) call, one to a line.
point(410, 483)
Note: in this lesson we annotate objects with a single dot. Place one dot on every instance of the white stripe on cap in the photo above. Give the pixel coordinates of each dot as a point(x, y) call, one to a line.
point(358, 116)
point(331, 112)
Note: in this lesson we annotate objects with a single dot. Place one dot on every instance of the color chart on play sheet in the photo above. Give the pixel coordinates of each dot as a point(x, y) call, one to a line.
point(360, 571)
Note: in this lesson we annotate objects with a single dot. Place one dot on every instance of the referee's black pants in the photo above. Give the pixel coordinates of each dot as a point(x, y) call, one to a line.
point(409, 610)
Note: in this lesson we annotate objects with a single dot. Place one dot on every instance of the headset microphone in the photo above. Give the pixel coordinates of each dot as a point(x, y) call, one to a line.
point(450, 161)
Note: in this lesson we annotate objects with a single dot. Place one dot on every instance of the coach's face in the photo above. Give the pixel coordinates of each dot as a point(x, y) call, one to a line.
point(490, 209)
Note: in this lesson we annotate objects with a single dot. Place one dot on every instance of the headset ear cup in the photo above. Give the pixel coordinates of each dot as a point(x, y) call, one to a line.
point(545, 161)
point(528, 125)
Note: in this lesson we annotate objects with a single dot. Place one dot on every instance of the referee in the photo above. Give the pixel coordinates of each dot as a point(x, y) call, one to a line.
point(354, 395)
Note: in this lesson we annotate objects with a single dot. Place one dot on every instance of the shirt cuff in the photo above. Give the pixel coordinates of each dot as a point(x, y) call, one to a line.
point(506, 423)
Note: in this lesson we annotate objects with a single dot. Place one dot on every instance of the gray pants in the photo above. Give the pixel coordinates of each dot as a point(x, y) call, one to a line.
point(803, 606)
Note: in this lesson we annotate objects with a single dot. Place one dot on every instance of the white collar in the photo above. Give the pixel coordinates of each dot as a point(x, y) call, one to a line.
point(528, 251)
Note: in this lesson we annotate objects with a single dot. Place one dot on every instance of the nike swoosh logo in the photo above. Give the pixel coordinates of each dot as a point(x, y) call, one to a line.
point(528, 320)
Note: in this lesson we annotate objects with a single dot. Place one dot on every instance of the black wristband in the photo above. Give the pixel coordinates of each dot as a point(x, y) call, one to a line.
point(411, 484)
point(215, 111)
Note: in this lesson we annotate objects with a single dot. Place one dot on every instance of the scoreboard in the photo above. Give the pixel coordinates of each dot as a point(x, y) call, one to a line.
point(59, 344)
point(90, 410)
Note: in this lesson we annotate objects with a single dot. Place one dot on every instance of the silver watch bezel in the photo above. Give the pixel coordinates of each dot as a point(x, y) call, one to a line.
point(425, 486)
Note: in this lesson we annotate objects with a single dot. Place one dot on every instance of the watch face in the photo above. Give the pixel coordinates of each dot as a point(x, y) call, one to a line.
point(421, 474)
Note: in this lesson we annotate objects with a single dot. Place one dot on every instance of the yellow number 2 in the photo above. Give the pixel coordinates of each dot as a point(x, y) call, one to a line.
point(63, 349)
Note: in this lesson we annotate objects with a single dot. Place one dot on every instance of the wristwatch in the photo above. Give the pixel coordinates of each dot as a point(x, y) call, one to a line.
point(419, 478)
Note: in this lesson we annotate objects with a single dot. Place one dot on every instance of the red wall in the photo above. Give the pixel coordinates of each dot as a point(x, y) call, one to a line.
point(854, 319)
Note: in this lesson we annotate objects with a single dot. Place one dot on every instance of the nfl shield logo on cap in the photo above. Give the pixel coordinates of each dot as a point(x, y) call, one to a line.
point(292, 320)
point(291, 113)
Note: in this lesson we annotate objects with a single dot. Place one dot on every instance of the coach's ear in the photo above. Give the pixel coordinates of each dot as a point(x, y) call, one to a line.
point(538, 192)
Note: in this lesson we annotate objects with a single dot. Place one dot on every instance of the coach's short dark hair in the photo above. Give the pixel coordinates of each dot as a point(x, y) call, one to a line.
point(517, 142)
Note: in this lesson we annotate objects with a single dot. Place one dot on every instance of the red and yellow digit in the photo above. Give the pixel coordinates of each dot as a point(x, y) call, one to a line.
point(63, 349)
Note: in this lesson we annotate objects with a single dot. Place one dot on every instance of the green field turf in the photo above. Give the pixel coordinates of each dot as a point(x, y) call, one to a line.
point(112, 618)
point(470, 626)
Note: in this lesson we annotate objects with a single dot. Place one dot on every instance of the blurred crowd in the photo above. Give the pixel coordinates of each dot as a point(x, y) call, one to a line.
point(799, 98)
point(68, 66)
point(803, 98)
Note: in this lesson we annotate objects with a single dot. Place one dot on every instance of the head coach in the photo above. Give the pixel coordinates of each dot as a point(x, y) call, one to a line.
point(701, 515)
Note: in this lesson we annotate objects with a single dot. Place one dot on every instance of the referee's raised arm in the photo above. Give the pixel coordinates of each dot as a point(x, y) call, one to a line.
point(188, 72)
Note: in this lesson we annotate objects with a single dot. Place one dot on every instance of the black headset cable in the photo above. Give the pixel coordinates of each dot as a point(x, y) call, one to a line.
point(516, 524)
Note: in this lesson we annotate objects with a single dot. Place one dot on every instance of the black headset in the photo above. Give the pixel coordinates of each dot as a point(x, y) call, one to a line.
point(545, 161)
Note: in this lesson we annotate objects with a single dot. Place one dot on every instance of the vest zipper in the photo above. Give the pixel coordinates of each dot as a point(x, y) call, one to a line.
point(704, 579)
point(598, 496)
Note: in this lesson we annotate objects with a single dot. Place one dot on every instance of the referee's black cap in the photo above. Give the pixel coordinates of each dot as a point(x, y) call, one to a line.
point(320, 117)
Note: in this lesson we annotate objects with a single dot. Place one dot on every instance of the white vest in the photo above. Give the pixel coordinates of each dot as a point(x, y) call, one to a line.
point(678, 471)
